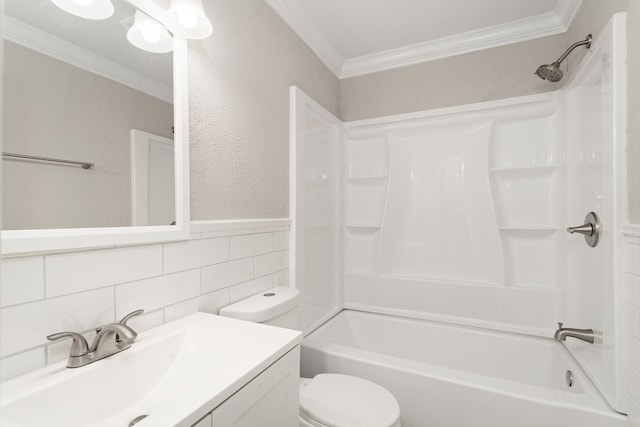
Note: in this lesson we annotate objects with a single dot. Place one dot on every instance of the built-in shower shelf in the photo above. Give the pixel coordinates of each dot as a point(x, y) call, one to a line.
point(516, 169)
point(365, 179)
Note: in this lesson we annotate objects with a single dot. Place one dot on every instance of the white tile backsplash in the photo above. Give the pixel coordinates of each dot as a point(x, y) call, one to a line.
point(195, 253)
point(81, 271)
point(80, 291)
point(181, 309)
point(251, 245)
point(162, 291)
point(21, 363)
point(239, 232)
point(214, 301)
point(226, 274)
point(26, 326)
point(252, 287)
point(146, 321)
point(281, 240)
point(282, 278)
point(271, 263)
point(22, 280)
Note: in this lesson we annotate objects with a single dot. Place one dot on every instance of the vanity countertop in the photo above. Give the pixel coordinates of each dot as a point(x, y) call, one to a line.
point(174, 373)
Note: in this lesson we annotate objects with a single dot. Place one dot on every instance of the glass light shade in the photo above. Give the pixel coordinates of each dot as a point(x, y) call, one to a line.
point(89, 9)
point(187, 19)
point(150, 35)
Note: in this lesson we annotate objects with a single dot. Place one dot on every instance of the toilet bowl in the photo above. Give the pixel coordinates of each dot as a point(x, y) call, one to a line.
point(335, 400)
point(327, 400)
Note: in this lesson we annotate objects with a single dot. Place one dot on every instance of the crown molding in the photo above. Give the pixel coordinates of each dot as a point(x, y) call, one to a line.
point(39, 41)
point(521, 30)
point(543, 25)
point(567, 11)
point(309, 32)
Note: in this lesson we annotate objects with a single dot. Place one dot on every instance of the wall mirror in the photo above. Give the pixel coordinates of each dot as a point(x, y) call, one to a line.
point(95, 143)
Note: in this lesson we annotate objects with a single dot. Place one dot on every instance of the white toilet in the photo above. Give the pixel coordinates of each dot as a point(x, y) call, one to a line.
point(327, 400)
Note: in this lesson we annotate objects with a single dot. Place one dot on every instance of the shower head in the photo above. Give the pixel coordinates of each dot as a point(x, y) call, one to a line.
point(552, 72)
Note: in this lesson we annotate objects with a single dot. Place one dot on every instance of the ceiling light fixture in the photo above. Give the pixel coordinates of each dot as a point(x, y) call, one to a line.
point(187, 19)
point(150, 35)
point(89, 9)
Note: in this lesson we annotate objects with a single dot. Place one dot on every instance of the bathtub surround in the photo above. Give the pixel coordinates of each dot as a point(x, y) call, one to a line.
point(239, 80)
point(592, 17)
point(497, 73)
point(459, 214)
point(449, 213)
point(220, 264)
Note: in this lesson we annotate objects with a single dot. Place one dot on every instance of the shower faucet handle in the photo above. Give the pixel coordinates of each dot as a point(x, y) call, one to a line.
point(586, 229)
point(591, 229)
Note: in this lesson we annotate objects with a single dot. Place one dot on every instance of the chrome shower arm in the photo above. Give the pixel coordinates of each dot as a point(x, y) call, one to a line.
point(586, 41)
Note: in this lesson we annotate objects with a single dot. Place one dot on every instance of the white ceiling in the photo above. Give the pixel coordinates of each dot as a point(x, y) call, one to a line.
point(355, 37)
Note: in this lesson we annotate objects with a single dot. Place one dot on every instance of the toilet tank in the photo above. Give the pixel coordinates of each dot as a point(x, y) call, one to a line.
point(277, 307)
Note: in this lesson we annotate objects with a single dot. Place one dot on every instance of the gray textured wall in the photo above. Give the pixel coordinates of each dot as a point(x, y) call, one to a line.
point(496, 73)
point(239, 94)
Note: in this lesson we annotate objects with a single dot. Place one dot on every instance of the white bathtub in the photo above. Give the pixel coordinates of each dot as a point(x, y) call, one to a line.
point(452, 376)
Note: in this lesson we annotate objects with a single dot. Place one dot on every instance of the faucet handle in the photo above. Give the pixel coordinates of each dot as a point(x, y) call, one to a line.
point(126, 318)
point(79, 347)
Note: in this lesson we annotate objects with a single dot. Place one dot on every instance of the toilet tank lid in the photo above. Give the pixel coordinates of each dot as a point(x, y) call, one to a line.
point(264, 306)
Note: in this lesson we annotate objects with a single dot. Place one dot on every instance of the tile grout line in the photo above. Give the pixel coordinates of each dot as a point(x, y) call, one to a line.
point(44, 276)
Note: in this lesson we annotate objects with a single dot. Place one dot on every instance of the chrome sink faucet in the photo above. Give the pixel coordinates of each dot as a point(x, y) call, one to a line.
point(110, 339)
point(587, 335)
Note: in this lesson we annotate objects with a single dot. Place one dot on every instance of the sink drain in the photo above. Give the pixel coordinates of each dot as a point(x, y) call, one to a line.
point(137, 419)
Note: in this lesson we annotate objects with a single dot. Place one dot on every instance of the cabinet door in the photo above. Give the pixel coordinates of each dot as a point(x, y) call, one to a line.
point(270, 400)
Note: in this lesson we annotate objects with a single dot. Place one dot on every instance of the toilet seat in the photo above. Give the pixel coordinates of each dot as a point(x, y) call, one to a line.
point(335, 400)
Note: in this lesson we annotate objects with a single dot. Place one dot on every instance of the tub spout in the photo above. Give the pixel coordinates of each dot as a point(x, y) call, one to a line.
point(587, 335)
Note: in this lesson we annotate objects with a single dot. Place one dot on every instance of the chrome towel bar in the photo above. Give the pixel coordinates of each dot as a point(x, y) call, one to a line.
point(85, 165)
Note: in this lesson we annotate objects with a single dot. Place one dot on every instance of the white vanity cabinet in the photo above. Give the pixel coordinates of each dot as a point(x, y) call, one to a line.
point(268, 400)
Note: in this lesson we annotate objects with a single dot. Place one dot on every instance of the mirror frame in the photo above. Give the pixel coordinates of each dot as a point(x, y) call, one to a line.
point(23, 242)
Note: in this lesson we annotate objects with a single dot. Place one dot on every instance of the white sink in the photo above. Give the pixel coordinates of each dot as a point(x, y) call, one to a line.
point(175, 374)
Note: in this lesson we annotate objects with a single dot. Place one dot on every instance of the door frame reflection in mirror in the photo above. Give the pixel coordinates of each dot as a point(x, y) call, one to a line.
point(22, 242)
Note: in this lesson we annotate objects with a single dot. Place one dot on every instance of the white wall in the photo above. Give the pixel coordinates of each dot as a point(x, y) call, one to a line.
point(239, 79)
point(61, 111)
point(79, 291)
